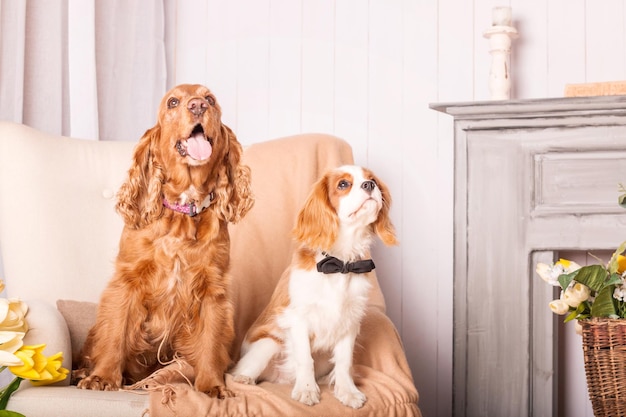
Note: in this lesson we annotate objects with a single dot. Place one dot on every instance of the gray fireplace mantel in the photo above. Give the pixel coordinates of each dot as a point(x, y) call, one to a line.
point(532, 177)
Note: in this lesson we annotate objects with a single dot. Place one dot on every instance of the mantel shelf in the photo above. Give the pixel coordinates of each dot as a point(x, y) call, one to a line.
point(530, 108)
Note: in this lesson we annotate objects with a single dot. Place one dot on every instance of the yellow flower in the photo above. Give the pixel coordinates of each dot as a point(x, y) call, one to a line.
point(621, 264)
point(37, 368)
point(54, 372)
point(13, 315)
point(568, 266)
point(10, 342)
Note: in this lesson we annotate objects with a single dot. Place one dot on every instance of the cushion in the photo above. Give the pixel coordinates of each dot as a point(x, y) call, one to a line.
point(80, 316)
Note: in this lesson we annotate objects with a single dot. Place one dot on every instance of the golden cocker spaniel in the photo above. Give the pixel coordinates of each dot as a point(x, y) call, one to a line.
point(169, 297)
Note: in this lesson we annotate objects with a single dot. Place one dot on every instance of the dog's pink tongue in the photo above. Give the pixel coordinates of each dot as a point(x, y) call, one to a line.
point(198, 147)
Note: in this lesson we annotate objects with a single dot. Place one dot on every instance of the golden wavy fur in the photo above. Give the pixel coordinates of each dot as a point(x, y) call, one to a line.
point(169, 296)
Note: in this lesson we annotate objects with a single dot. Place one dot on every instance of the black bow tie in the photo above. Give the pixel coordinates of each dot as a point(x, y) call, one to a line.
point(332, 265)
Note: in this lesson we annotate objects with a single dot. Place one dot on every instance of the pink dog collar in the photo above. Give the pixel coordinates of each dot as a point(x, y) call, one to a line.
point(190, 209)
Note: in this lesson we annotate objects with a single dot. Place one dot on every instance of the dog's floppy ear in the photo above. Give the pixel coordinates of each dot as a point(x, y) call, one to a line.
point(317, 224)
point(233, 191)
point(383, 226)
point(139, 199)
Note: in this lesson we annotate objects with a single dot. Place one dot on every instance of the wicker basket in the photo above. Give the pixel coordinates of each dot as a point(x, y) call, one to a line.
point(604, 349)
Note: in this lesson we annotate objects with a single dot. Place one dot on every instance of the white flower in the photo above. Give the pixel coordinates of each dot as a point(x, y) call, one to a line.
point(548, 273)
point(619, 293)
point(13, 315)
point(10, 342)
point(13, 327)
point(559, 307)
point(578, 328)
point(575, 294)
point(551, 273)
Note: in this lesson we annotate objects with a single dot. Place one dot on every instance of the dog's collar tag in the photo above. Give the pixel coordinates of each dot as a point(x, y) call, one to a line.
point(190, 209)
point(332, 265)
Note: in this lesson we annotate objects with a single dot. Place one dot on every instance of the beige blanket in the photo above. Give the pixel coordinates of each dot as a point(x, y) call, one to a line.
point(380, 373)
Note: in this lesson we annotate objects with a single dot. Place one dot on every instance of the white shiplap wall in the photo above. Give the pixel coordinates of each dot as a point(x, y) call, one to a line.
point(366, 70)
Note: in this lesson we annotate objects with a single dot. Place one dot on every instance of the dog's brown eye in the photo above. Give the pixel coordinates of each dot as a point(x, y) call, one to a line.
point(172, 102)
point(211, 100)
point(343, 184)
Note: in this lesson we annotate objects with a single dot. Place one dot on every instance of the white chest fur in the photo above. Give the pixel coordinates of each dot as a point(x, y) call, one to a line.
point(328, 307)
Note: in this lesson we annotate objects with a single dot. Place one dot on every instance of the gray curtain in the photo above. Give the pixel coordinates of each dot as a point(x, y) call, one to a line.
point(84, 68)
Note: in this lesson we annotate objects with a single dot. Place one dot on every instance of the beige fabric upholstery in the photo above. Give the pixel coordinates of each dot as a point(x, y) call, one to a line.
point(58, 240)
point(58, 227)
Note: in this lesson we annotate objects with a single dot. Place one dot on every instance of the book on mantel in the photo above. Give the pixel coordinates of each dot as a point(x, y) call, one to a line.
point(609, 88)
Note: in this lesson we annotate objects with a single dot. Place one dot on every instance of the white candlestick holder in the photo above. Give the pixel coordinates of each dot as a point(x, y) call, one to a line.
point(500, 35)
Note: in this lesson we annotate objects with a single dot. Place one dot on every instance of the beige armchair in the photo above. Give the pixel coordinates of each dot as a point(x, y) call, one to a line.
point(58, 241)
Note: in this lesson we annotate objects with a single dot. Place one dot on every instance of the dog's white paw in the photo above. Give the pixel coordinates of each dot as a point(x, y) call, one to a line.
point(244, 379)
point(309, 395)
point(350, 397)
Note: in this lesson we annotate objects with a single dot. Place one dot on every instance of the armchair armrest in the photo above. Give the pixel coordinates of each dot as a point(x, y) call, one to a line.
point(47, 325)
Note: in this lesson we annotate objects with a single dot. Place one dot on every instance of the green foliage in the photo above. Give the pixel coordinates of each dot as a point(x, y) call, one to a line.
point(566, 279)
point(593, 276)
point(602, 282)
point(604, 304)
point(6, 393)
point(7, 413)
point(581, 312)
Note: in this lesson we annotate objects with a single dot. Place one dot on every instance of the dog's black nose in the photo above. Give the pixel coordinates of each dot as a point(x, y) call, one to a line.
point(368, 186)
point(197, 106)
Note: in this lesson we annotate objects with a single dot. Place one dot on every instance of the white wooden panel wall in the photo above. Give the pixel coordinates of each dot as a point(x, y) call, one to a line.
point(366, 71)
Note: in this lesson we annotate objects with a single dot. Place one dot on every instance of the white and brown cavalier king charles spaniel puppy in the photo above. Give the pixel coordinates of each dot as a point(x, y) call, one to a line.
point(311, 323)
point(169, 296)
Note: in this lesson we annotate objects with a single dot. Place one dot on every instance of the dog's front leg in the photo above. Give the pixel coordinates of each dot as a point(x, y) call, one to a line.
point(305, 388)
point(106, 347)
point(345, 389)
point(211, 343)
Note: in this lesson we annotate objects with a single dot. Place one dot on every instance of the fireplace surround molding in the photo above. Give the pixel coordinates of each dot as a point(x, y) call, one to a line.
point(531, 178)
